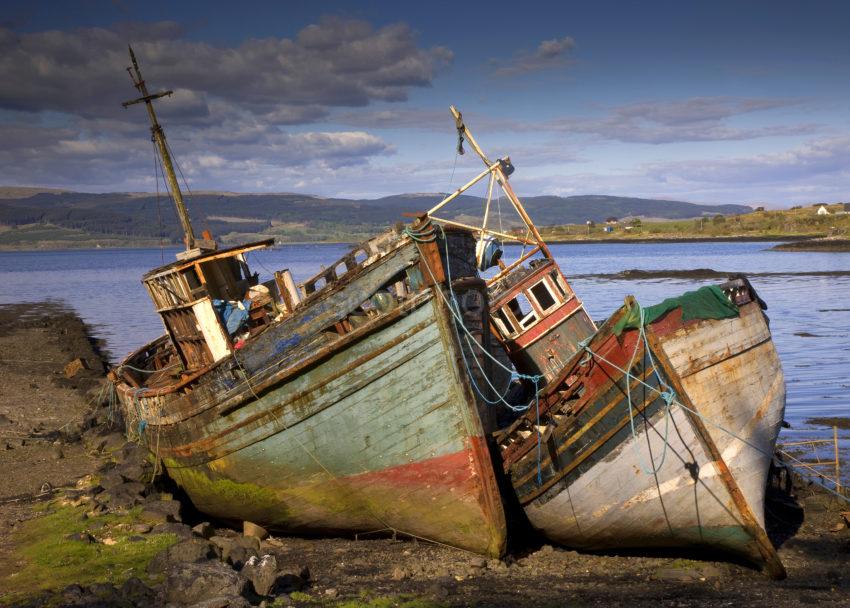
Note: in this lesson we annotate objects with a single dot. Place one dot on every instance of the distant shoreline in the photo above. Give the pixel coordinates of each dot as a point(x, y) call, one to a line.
point(684, 239)
point(796, 240)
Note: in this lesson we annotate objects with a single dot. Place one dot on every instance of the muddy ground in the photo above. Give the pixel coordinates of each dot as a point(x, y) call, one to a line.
point(55, 432)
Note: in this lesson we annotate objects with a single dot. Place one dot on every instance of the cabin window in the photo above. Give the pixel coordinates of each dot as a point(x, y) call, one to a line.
point(504, 323)
point(559, 283)
point(544, 296)
point(196, 288)
point(192, 278)
point(523, 311)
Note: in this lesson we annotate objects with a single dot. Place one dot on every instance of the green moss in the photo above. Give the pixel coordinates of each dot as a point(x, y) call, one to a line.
point(390, 601)
point(298, 596)
point(226, 496)
point(685, 563)
point(51, 561)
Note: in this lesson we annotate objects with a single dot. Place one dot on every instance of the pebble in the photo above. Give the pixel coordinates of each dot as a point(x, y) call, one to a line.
point(399, 574)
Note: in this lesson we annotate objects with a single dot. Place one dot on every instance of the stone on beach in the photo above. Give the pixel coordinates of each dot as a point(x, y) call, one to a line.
point(255, 530)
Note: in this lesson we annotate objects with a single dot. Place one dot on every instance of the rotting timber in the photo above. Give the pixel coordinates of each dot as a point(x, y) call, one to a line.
point(362, 399)
point(336, 406)
point(649, 432)
point(658, 436)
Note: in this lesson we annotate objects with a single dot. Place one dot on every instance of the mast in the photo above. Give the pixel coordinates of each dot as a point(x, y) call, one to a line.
point(159, 139)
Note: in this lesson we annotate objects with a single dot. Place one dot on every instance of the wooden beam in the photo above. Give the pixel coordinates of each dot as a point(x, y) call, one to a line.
point(503, 181)
point(468, 136)
point(462, 189)
point(513, 265)
point(489, 200)
point(504, 235)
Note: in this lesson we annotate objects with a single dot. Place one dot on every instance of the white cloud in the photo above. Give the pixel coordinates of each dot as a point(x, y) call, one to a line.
point(548, 54)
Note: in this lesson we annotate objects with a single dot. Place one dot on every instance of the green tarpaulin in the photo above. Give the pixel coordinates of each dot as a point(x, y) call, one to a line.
point(705, 303)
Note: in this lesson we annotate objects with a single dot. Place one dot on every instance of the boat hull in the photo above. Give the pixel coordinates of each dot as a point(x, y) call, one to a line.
point(691, 473)
point(381, 434)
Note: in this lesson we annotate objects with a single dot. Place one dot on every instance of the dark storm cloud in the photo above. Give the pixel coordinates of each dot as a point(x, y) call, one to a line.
point(336, 62)
point(61, 93)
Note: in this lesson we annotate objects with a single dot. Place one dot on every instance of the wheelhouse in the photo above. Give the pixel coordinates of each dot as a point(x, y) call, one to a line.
point(196, 298)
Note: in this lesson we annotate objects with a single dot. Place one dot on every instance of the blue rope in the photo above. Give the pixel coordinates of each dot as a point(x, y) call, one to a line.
point(667, 396)
point(137, 393)
point(454, 308)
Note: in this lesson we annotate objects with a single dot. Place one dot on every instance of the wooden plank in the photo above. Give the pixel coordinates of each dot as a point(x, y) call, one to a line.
point(773, 565)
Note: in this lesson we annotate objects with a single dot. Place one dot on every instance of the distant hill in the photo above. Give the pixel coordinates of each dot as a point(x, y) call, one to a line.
point(135, 218)
point(23, 191)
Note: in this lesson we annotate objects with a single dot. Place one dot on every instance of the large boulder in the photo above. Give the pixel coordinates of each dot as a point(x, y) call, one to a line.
point(197, 583)
point(179, 530)
point(137, 592)
point(262, 572)
point(236, 550)
point(161, 511)
point(191, 550)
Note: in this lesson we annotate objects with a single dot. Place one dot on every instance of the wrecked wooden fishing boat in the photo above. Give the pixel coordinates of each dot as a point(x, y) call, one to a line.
point(659, 432)
point(658, 429)
point(534, 312)
point(336, 406)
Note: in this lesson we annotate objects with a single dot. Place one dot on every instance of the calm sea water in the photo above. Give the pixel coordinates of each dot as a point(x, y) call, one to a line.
point(810, 314)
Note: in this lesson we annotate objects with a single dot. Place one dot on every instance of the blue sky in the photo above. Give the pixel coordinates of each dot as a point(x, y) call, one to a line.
point(707, 102)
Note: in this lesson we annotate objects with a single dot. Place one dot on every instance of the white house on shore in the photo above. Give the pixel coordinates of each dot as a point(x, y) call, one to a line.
point(822, 210)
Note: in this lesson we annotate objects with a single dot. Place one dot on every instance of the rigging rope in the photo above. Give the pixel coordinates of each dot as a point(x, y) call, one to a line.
point(670, 396)
point(454, 309)
point(667, 396)
point(185, 183)
point(156, 168)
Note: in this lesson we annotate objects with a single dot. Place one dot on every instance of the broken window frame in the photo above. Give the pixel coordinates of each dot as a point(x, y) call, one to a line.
point(553, 295)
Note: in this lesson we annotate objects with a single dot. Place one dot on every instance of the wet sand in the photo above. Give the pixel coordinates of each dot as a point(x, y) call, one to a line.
point(42, 406)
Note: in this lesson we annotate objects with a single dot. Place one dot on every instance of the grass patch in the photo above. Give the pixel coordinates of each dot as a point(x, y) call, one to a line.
point(53, 562)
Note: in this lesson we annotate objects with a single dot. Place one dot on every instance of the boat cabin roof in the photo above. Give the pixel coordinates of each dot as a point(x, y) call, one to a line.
point(209, 256)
